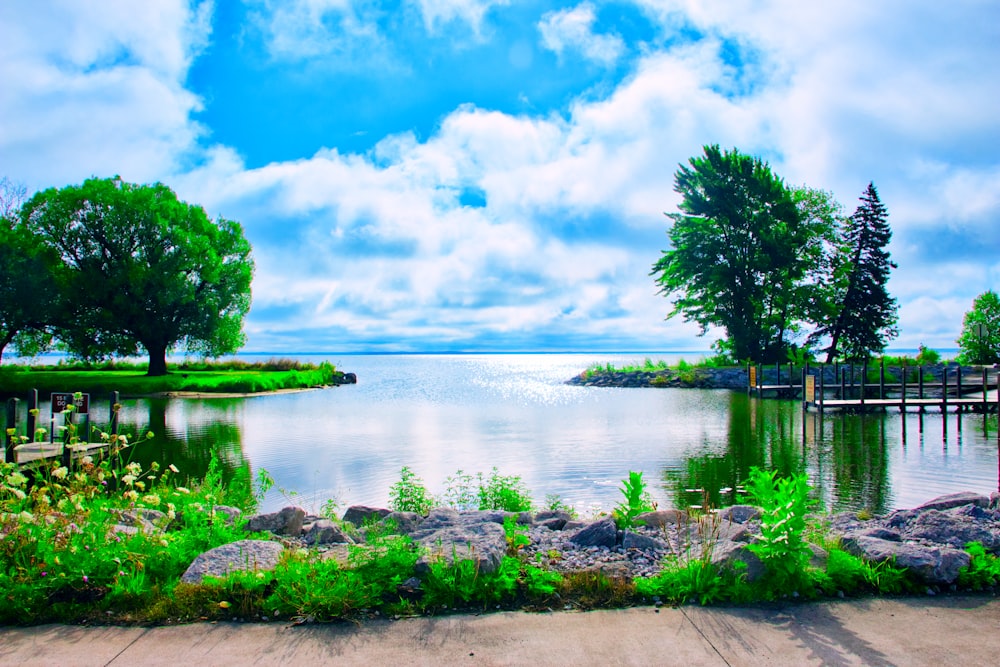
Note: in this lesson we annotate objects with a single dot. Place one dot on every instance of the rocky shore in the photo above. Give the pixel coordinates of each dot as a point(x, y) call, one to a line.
point(928, 540)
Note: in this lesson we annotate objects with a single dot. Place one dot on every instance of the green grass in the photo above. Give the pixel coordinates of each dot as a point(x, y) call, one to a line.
point(131, 380)
point(58, 563)
point(650, 366)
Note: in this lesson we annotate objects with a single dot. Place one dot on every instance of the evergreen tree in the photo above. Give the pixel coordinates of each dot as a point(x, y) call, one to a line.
point(864, 317)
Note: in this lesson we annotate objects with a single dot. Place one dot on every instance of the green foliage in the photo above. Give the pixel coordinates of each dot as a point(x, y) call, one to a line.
point(680, 582)
point(503, 492)
point(979, 341)
point(742, 255)
point(863, 317)
point(409, 494)
point(157, 272)
point(20, 379)
point(927, 356)
point(636, 500)
point(784, 504)
point(983, 570)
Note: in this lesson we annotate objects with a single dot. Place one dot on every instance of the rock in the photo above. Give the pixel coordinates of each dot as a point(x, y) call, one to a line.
point(325, 531)
point(405, 522)
point(661, 518)
point(956, 527)
point(286, 522)
point(450, 535)
point(552, 519)
point(359, 515)
point(410, 589)
point(739, 513)
point(601, 533)
point(230, 514)
point(632, 540)
point(726, 554)
point(935, 565)
point(245, 556)
point(955, 500)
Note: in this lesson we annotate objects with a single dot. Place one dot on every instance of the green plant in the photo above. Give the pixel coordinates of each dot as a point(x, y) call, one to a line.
point(409, 494)
point(927, 356)
point(503, 492)
point(784, 503)
point(636, 501)
point(983, 569)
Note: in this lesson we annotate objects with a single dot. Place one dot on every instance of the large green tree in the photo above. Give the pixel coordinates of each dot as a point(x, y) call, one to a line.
point(141, 269)
point(863, 314)
point(979, 342)
point(27, 294)
point(742, 255)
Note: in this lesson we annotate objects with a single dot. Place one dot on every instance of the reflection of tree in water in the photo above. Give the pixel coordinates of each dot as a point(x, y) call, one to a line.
point(762, 433)
point(860, 463)
point(190, 445)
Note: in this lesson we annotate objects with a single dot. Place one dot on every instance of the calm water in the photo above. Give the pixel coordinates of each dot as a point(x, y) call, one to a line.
point(442, 414)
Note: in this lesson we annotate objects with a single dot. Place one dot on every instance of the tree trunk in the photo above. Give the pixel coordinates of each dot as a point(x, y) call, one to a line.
point(157, 359)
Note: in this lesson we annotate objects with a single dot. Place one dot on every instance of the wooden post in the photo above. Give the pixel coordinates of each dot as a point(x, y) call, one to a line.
point(843, 384)
point(984, 390)
point(864, 383)
point(113, 416)
point(32, 419)
point(902, 397)
point(881, 379)
point(944, 394)
point(822, 372)
point(10, 454)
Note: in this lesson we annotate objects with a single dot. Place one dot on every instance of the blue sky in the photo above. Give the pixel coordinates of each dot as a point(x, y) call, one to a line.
point(490, 175)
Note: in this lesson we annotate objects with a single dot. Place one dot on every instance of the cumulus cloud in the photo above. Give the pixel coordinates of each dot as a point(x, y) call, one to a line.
point(499, 229)
point(99, 91)
point(573, 30)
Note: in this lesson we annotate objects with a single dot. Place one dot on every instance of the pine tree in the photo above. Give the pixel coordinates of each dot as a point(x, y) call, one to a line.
point(866, 317)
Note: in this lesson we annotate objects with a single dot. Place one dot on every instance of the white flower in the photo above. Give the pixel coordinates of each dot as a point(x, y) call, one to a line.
point(173, 468)
point(60, 472)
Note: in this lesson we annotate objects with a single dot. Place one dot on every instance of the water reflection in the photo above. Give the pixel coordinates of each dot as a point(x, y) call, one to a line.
point(441, 414)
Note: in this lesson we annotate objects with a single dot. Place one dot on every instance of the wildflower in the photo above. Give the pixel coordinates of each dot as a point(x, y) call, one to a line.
point(131, 495)
point(60, 472)
point(134, 467)
point(151, 499)
point(141, 486)
point(87, 460)
point(154, 466)
point(85, 579)
point(16, 479)
point(18, 493)
point(11, 431)
point(128, 480)
point(44, 573)
point(104, 436)
point(149, 435)
point(173, 468)
point(34, 412)
point(184, 490)
point(223, 605)
point(26, 517)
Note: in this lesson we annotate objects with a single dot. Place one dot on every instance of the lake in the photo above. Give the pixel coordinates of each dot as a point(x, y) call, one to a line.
point(440, 414)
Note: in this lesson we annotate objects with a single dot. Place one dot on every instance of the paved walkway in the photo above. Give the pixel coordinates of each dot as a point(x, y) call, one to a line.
point(961, 630)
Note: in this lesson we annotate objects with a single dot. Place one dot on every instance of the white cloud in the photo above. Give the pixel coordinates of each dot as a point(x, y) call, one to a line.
point(100, 91)
point(437, 13)
point(573, 30)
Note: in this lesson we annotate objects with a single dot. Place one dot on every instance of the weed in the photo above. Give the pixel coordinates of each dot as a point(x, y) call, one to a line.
point(409, 494)
point(503, 492)
point(983, 569)
point(636, 501)
point(784, 503)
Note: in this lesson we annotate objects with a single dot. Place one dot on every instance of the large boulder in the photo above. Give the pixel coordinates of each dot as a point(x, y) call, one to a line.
point(359, 515)
point(245, 556)
point(955, 500)
point(601, 533)
point(288, 521)
point(325, 531)
point(935, 565)
point(449, 535)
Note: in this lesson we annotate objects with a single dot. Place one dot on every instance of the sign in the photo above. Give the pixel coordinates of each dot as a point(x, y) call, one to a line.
point(810, 391)
point(753, 376)
point(62, 400)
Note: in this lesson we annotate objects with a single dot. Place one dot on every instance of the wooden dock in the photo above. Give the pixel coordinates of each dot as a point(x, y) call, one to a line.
point(33, 453)
point(847, 390)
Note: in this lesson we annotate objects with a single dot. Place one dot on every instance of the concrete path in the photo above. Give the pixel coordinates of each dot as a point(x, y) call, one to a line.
point(961, 630)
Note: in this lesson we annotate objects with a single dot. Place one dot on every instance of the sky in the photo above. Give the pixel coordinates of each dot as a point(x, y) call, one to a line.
point(492, 175)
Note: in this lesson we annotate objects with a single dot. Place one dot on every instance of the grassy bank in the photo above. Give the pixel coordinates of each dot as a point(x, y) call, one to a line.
point(131, 380)
point(63, 558)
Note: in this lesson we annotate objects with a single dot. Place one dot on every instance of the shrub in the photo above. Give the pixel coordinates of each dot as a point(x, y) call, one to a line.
point(636, 501)
point(409, 494)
